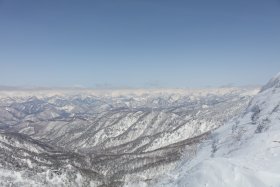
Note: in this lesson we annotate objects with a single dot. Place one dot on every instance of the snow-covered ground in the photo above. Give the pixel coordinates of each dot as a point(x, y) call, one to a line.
point(243, 153)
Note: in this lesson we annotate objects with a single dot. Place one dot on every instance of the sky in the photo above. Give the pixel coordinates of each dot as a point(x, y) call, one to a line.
point(138, 43)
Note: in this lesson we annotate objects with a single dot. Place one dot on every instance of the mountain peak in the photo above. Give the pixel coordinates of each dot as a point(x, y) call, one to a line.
point(272, 83)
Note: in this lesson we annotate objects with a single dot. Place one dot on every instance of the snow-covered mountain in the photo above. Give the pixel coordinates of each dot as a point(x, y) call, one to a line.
point(244, 152)
point(28, 162)
point(109, 137)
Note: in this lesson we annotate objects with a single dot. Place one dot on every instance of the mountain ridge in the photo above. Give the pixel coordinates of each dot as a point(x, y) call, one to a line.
point(244, 152)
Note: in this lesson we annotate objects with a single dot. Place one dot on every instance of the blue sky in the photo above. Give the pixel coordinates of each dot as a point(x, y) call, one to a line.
point(138, 43)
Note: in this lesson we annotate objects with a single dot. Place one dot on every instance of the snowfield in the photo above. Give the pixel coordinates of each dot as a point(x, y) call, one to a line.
point(243, 153)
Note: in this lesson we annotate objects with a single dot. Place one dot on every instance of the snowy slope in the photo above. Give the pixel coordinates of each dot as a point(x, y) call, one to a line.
point(242, 153)
point(28, 162)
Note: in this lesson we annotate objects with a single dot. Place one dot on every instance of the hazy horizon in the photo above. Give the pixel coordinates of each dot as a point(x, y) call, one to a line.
point(106, 87)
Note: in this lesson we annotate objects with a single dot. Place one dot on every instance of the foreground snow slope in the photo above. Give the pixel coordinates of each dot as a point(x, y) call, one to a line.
point(243, 153)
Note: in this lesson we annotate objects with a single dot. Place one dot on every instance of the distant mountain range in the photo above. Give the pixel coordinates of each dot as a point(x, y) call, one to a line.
point(107, 138)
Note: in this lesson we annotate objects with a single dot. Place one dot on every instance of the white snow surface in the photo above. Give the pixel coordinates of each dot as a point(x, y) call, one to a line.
point(243, 153)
